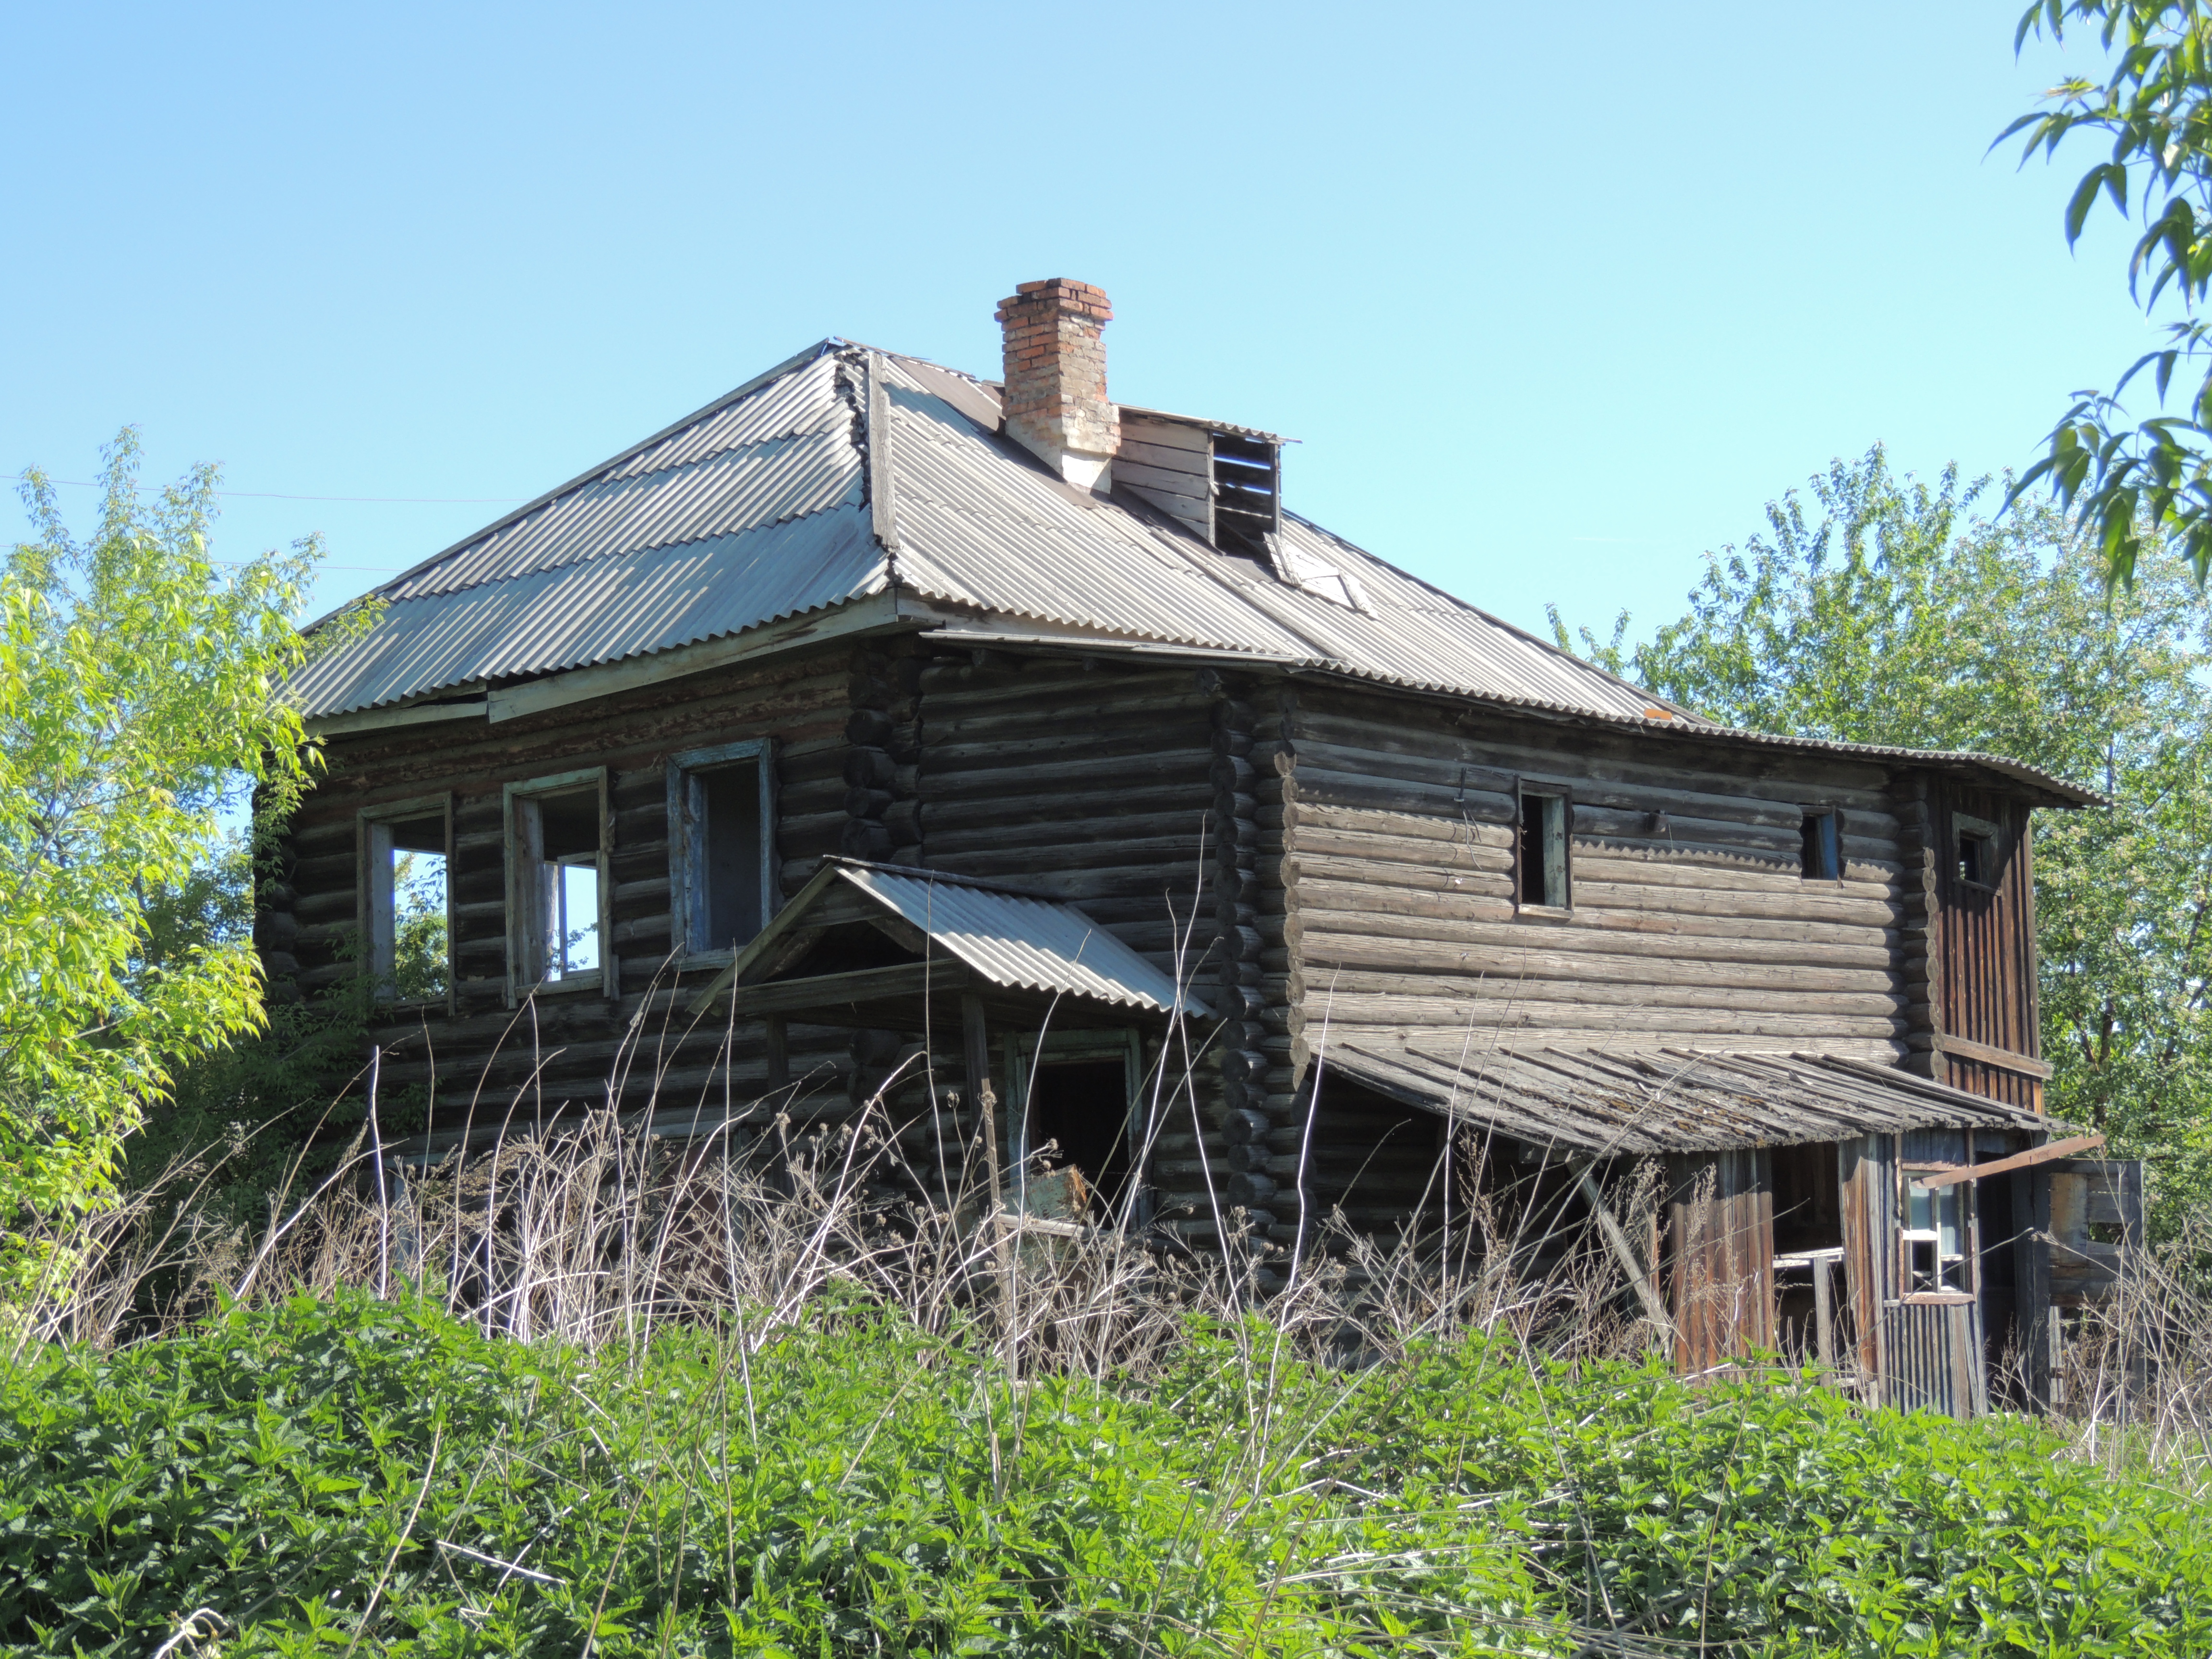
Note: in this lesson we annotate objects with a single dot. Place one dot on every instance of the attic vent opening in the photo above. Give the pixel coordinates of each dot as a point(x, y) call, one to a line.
point(1247, 502)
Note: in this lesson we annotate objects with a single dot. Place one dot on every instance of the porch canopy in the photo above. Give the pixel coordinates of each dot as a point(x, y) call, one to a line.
point(882, 945)
point(1607, 1102)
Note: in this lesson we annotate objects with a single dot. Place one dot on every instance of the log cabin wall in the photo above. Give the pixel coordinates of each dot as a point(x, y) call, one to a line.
point(483, 1058)
point(1112, 786)
point(1690, 920)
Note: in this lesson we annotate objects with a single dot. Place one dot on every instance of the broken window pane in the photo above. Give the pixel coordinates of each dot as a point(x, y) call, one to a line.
point(1821, 857)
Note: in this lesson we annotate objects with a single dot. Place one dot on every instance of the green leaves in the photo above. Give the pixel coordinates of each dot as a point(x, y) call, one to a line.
point(2156, 107)
point(137, 693)
point(263, 1472)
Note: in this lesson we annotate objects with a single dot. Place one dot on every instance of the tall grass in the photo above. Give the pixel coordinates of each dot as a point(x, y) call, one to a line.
point(604, 1391)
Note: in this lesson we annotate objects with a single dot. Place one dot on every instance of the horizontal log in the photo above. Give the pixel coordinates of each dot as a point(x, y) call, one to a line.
point(1338, 937)
point(1665, 936)
point(1715, 992)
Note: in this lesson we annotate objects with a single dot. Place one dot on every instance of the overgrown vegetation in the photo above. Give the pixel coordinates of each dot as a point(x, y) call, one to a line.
point(314, 1474)
point(745, 1421)
point(137, 698)
point(1880, 608)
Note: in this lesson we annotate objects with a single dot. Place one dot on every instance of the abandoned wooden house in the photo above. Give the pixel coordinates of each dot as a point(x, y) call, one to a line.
point(877, 710)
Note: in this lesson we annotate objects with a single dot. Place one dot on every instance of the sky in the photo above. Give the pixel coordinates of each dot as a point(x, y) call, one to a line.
point(1556, 302)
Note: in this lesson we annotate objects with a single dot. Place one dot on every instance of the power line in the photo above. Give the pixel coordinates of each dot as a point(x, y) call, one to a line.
point(273, 495)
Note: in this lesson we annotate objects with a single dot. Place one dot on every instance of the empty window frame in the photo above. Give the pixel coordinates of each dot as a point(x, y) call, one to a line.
point(721, 846)
point(1935, 1241)
point(1821, 854)
point(406, 899)
point(1977, 851)
point(560, 895)
point(1540, 871)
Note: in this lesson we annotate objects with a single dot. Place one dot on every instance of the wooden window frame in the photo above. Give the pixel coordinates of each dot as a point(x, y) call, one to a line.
point(526, 975)
point(1525, 790)
point(1970, 1263)
point(1965, 826)
point(686, 892)
point(1812, 812)
point(373, 894)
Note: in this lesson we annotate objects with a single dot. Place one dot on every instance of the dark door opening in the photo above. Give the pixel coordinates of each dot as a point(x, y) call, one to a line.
point(1082, 1106)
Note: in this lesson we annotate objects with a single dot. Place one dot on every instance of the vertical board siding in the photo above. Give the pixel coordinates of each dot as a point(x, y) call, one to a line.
point(1720, 1229)
point(1985, 942)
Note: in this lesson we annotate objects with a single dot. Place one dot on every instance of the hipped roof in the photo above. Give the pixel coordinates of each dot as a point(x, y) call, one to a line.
point(844, 474)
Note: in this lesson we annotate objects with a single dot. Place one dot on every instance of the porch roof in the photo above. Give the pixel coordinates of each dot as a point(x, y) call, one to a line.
point(982, 934)
point(1608, 1103)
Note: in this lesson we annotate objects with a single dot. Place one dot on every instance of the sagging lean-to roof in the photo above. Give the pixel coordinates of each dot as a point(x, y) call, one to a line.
point(1013, 940)
point(1606, 1103)
point(848, 480)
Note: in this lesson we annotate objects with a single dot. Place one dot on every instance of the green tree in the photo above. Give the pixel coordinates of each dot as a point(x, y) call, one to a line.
point(138, 699)
point(1880, 610)
point(2153, 478)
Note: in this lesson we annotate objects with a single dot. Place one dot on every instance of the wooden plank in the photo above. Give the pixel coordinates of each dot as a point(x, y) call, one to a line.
point(2003, 1058)
point(2056, 1149)
point(826, 990)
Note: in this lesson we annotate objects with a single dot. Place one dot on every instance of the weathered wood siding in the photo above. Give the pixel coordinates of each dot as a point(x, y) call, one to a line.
point(1097, 782)
point(561, 1048)
point(1690, 922)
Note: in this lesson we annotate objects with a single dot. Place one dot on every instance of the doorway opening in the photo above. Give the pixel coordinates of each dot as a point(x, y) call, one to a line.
point(1073, 1139)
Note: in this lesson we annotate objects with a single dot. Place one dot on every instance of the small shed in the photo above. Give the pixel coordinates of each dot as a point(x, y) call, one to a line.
point(1881, 1223)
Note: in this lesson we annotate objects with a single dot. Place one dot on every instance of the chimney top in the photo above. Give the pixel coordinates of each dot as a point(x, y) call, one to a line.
point(1055, 402)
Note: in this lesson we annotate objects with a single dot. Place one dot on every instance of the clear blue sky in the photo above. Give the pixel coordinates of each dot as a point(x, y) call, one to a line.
point(1556, 300)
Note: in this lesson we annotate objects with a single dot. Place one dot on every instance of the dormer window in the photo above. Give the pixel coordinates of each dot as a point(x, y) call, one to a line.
point(1223, 484)
point(1247, 497)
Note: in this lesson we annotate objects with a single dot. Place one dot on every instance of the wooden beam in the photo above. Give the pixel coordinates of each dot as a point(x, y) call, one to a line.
point(798, 996)
point(778, 1034)
point(378, 720)
point(2003, 1058)
point(2044, 1154)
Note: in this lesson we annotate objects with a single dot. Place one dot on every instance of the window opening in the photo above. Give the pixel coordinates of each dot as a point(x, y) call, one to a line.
point(1977, 863)
point(559, 870)
point(721, 837)
point(1075, 1131)
point(1542, 854)
point(1247, 495)
point(409, 925)
point(1935, 1238)
point(1822, 854)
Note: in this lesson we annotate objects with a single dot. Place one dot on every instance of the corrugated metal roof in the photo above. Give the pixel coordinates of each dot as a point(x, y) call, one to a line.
point(1607, 1102)
point(755, 509)
point(1022, 943)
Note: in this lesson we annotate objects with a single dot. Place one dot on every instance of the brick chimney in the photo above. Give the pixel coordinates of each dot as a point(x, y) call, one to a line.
point(1055, 398)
